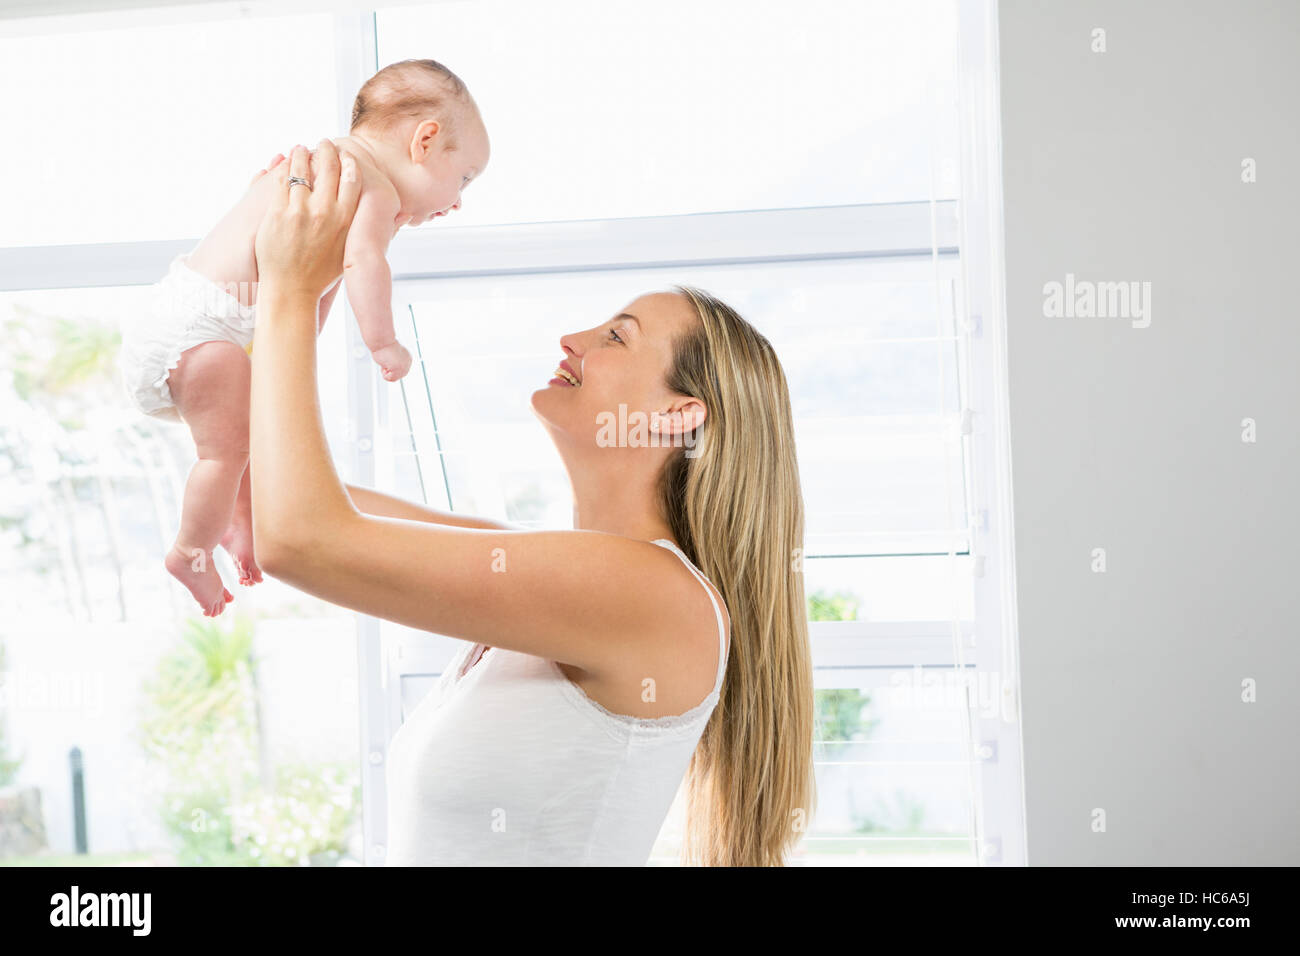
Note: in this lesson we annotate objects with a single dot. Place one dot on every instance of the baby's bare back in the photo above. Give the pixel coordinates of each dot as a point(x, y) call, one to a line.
point(225, 255)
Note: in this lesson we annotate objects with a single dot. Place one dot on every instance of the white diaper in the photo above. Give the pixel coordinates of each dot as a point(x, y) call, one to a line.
point(185, 309)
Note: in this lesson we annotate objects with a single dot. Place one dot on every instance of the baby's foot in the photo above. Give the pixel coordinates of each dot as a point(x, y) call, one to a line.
point(238, 542)
point(205, 583)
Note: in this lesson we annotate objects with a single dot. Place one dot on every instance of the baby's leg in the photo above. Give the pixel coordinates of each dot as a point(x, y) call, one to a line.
point(210, 387)
point(238, 539)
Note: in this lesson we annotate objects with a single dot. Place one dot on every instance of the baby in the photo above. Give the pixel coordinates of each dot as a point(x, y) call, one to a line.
point(418, 140)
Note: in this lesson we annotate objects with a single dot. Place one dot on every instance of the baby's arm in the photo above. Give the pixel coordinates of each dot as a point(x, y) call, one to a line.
point(370, 281)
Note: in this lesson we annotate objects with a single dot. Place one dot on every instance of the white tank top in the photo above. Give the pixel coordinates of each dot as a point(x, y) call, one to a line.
point(513, 764)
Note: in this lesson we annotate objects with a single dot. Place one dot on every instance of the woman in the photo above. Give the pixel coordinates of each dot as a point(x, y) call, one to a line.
point(665, 636)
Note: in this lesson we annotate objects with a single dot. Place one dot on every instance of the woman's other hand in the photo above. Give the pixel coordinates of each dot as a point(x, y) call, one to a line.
point(299, 244)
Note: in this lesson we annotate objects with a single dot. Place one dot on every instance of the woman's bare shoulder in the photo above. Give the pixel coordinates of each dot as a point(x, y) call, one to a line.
point(679, 648)
point(690, 602)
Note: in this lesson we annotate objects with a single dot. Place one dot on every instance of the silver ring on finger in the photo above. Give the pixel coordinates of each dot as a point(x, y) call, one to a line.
point(298, 181)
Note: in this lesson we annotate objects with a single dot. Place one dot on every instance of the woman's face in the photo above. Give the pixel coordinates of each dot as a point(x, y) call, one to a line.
point(622, 361)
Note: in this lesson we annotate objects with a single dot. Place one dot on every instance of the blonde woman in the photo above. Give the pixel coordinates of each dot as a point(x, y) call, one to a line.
point(664, 638)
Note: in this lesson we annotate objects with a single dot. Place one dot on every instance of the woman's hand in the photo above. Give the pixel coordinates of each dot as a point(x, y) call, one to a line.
point(299, 244)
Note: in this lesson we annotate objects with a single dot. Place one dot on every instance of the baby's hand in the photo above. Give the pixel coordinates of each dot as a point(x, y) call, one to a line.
point(394, 360)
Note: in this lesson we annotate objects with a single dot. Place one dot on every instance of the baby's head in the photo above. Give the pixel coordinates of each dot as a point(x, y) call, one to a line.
point(426, 130)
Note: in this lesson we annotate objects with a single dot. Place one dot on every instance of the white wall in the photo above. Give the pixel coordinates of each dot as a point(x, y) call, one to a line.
point(1126, 165)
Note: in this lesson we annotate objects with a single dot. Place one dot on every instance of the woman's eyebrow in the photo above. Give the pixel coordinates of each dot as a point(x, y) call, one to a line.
point(629, 315)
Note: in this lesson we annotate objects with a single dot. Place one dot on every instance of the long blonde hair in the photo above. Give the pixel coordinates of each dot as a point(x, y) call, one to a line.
point(736, 508)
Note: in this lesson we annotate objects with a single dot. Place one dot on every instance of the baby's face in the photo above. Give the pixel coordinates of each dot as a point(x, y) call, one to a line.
point(438, 180)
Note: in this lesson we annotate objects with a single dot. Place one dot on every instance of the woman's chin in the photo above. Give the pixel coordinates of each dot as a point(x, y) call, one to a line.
point(551, 413)
point(545, 390)
point(538, 402)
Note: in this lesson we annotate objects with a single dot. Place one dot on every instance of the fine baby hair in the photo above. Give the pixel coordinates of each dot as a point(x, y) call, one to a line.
point(412, 89)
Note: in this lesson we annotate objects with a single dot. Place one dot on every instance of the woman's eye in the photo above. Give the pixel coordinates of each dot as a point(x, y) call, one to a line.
point(615, 334)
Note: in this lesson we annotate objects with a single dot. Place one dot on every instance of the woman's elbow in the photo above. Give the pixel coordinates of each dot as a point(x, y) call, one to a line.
point(297, 549)
point(274, 549)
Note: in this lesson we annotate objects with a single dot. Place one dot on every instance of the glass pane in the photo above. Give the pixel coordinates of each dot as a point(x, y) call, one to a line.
point(911, 588)
point(867, 351)
point(193, 741)
point(894, 775)
point(599, 110)
point(152, 131)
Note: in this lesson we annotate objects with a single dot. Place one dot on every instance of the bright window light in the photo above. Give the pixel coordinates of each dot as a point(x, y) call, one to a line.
point(153, 131)
point(598, 110)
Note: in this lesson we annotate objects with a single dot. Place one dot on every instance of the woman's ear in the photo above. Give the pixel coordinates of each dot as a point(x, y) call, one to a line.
point(677, 421)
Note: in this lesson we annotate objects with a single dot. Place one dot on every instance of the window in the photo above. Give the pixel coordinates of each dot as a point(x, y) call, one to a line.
point(871, 349)
point(856, 274)
point(185, 741)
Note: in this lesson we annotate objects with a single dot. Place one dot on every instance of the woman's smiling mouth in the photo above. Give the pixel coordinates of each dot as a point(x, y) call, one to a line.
point(565, 377)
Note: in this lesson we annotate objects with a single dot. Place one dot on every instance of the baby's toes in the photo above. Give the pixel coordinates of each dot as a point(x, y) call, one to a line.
point(249, 572)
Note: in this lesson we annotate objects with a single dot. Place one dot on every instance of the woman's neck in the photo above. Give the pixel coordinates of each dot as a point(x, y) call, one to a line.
point(620, 507)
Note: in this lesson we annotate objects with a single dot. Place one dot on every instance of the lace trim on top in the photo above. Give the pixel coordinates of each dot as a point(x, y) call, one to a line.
point(671, 722)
